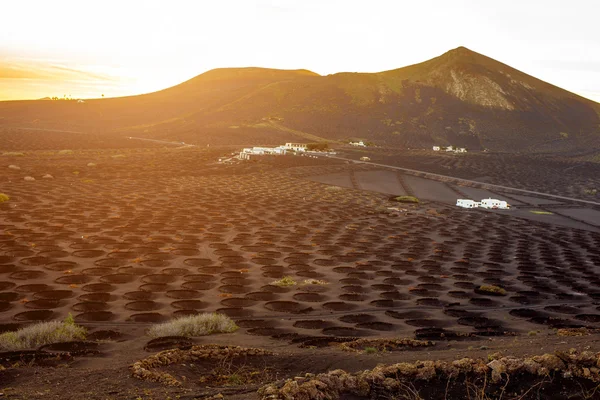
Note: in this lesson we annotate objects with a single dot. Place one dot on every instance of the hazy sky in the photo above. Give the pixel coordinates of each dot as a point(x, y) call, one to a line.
point(119, 47)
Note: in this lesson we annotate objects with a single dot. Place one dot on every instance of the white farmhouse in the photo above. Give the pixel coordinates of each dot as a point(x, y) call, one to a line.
point(494, 204)
point(295, 146)
point(246, 153)
point(359, 144)
point(436, 148)
point(466, 203)
point(449, 148)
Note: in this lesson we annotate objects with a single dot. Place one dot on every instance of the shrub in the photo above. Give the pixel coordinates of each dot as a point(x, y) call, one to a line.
point(42, 333)
point(315, 282)
point(406, 199)
point(285, 281)
point(370, 350)
point(317, 146)
point(4, 197)
point(492, 289)
point(194, 325)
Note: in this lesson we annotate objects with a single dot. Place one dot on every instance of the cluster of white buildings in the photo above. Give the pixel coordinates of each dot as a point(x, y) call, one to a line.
point(490, 203)
point(246, 153)
point(358, 144)
point(450, 149)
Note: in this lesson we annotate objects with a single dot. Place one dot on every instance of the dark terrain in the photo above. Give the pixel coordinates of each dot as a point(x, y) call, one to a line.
point(127, 236)
point(460, 98)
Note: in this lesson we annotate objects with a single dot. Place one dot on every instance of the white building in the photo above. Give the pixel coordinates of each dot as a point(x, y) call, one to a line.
point(460, 150)
point(295, 146)
point(494, 204)
point(246, 153)
point(449, 148)
point(365, 159)
point(436, 148)
point(466, 203)
point(359, 144)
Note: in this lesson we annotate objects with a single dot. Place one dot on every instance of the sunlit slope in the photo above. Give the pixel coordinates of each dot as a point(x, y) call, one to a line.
point(461, 98)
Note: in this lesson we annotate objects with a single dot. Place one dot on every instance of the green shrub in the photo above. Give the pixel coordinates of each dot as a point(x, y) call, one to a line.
point(42, 333)
point(540, 212)
point(194, 325)
point(285, 281)
point(370, 350)
point(492, 289)
point(4, 197)
point(406, 199)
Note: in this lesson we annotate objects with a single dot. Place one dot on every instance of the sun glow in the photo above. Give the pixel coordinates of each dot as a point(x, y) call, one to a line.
point(118, 48)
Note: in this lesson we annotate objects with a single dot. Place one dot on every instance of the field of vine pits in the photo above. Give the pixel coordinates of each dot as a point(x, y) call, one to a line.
point(125, 238)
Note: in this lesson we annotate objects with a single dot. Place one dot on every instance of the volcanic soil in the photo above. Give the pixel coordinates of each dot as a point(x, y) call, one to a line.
point(125, 238)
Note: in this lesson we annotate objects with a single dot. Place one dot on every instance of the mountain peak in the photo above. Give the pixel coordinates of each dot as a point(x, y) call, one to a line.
point(463, 54)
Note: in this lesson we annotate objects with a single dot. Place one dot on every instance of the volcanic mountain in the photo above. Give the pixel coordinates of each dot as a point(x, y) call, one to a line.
point(460, 98)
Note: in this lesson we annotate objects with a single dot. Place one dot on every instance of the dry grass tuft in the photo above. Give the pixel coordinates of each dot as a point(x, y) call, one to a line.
point(194, 325)
point(314, 282)
point(406, 199)
point(492, 289)
point(285, 281)
point(4, 197)
point(42, 333)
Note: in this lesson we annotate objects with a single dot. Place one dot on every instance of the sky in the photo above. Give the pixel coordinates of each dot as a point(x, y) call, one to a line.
point(85, 49)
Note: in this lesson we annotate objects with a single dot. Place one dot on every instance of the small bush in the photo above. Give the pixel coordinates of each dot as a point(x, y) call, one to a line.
point(315, 282)
point(13, 154)
point(406, 199)
point(285, 281)
point(194, 325)
point(42, 333)
point(4, 197)
point(540, 212)
point(317, 146)
point(370, 350)
point(492, 289)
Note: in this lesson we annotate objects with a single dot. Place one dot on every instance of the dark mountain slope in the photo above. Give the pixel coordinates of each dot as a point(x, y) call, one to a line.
point(461, 98)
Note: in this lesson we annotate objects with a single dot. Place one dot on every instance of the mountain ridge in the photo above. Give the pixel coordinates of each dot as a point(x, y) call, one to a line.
point(460, 97)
